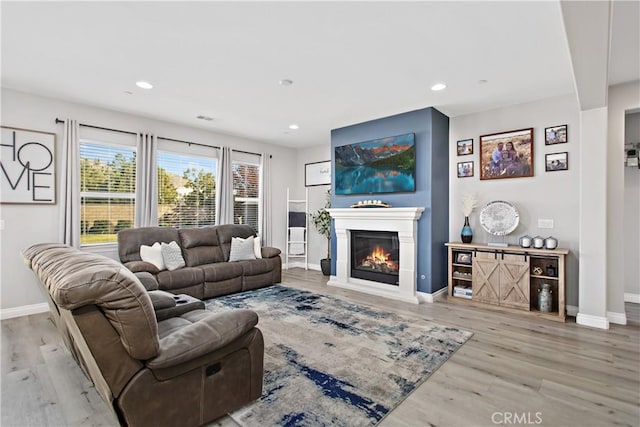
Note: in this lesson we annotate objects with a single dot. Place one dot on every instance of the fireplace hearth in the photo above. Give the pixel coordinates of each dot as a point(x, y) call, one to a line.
point(375, 255)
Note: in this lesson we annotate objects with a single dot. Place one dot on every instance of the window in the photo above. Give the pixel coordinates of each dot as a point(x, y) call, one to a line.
point(246, 194)
point(186, 190)
point(107, 191)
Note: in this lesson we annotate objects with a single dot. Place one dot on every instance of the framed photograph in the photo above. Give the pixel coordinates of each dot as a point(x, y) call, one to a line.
point(28, 162)
point(465, 147)
point(556, 162)
point(465, 169)
point(507, 154)
point(463, 258)
point(318, 173)
point(555, 135)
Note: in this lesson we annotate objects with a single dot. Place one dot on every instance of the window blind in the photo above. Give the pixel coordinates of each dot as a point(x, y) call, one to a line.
point(107, 191)
point(186, 190)
point(246, 192)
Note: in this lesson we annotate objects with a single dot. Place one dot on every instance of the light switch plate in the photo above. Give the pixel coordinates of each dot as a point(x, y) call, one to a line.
point(545, 223)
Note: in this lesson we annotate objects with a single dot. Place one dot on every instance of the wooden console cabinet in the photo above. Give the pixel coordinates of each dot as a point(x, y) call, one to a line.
point(508, 278)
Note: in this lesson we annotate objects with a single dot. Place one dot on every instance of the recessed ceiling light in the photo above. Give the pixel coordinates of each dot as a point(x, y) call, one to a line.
point(438, 86)
point(144, 85)
point(294, 127)
point(207, 118)
point(286, 82)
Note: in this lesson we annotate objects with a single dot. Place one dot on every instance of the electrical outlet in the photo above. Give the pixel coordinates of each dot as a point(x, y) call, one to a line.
point(545, 223)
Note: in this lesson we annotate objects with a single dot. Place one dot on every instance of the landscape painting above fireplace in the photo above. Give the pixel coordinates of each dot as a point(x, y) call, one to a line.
point(385, 165)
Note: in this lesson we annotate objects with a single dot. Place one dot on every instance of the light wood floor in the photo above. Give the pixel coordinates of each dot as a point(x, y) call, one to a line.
point(515, 370)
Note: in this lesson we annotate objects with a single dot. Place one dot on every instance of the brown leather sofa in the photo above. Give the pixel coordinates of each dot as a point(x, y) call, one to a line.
point(208, 272)
point(183, 371)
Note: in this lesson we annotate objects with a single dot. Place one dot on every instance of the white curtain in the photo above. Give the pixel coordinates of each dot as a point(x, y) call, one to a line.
point(265, 196)
point(70, 184)
point(224, 189)
point(146, 181)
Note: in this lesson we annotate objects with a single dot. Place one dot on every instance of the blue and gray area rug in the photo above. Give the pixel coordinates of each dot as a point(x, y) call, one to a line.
point(332, 363)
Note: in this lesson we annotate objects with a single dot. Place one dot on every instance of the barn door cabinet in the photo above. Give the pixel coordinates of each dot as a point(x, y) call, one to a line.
point(508, 278)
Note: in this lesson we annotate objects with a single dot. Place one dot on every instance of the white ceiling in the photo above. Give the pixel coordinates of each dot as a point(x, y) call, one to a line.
point(349, 61)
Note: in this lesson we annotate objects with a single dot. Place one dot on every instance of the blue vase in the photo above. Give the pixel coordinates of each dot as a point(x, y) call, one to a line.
point(467, 233)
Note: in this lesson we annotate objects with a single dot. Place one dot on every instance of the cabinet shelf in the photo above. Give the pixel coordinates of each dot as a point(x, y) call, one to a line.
point(503, 278)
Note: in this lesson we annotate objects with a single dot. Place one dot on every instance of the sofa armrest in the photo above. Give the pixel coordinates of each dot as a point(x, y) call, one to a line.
point(140, 266)
point(204, 336)
point(148, 280)
point(161, 299)
point(269, 252)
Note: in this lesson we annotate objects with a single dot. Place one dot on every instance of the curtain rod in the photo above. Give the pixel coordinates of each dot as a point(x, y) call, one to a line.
point(58, 121)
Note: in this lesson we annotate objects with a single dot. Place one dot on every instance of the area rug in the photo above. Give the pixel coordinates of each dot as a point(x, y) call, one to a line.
point(332, 363)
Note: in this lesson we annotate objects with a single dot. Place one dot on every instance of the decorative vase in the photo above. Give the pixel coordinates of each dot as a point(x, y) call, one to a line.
point(467, 233)
point(544, 298)
point(325, 266)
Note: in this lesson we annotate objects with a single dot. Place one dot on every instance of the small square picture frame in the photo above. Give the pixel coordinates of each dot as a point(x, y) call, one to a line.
point(465, 169)
point(556, 162)
point(465, 147)
point(463, 258)
point(556, 135)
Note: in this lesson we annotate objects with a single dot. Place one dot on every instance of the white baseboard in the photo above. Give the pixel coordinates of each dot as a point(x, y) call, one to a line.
point(617, 318)
point(572, 310)
point(25, 310)
point(629, 297)
point(592, 321)
point(433, 297)
point(299, 264)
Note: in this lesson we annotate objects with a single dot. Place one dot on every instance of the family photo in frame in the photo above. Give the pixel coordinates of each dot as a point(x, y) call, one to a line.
point(555, 135)
point(506, 154)
point(465, 147)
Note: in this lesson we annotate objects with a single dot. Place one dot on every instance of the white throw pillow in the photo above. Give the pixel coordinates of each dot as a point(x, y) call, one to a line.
point(153, 255)
point(241, 249)
point(257, 249)
point(172, 256)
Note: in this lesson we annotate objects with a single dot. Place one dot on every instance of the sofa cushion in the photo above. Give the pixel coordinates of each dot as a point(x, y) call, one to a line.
point(241, 249)
point(172, 255)
point(221, 271)
point(200, 246)
point(180, 278)
point(228, 231)
point(255, 267)
point(130, 240)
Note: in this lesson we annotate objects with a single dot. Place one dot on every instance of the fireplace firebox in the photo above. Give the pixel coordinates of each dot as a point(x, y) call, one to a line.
point(375, 256)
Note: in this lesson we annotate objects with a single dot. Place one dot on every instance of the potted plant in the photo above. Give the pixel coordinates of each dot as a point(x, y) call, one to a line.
point(322, 221)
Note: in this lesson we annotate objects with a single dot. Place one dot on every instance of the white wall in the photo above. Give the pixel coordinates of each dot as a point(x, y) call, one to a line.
point(318, 153)
point(632, 215)
point(29, 224)
point(546, 195)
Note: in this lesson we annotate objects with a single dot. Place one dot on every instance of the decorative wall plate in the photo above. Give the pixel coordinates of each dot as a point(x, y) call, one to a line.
point(499, 218)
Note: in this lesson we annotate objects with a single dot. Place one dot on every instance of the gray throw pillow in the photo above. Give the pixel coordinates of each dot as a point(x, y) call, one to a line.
point(241, 249)
point(172, 256)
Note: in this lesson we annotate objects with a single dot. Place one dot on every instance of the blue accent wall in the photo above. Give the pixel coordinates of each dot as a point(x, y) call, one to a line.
point(431, 129)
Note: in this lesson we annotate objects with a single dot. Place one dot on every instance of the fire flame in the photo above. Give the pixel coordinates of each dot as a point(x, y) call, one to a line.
point(378, 259)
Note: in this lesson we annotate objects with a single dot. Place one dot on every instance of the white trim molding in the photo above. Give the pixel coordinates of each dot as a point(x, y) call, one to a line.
point(592, 321)
point(629, 297)
point(25, 310)
point(617, 318)
point(438, 295)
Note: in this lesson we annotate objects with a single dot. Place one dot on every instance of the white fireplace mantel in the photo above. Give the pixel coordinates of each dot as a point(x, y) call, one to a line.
point(400, 220)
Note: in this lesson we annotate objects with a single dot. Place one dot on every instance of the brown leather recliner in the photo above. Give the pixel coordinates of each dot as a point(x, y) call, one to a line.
point(182, 371)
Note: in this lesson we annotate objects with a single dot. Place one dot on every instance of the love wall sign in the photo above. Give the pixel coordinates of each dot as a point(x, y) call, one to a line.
point(27, 166)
